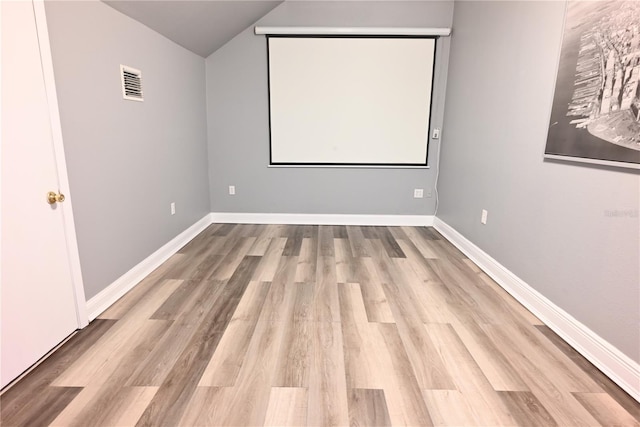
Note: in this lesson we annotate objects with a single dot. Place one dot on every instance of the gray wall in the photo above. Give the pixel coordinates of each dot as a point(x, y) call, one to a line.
point(127, 161)
point(238, 123)
point(549, 222)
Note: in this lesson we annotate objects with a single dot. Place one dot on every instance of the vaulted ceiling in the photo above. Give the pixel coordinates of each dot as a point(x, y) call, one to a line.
point(201, 26)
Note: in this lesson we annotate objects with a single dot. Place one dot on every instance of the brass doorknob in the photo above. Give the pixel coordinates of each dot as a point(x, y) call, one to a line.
point(53, 197)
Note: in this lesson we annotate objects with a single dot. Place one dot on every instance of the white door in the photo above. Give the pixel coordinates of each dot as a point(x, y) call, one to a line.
point(38, 294)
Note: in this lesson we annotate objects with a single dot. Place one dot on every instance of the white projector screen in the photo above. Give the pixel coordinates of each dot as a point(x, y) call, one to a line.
point(350, 100)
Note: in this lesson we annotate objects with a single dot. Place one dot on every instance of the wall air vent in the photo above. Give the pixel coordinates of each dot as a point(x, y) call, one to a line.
point(131, 83)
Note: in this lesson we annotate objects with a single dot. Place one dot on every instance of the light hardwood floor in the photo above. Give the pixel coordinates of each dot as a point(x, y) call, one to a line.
point(252, 325)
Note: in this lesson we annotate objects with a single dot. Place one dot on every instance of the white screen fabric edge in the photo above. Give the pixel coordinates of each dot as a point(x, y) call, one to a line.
point(350, 100)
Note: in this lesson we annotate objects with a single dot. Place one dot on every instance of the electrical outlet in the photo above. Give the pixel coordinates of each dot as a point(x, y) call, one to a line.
point(436, 133)
point(483, 218)
point(173, 208)
point(232, 190)
point(418, 193)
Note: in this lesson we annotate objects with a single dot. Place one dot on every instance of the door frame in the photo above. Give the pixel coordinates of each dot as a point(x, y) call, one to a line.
point(73, 254)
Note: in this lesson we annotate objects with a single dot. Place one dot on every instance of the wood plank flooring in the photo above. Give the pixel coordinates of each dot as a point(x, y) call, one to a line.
point(251, 325)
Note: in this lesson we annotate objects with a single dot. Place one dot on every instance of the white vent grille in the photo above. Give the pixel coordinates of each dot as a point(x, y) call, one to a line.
point(131, 83)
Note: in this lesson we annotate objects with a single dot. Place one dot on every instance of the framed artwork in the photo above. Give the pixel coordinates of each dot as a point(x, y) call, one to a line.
point(595, 117)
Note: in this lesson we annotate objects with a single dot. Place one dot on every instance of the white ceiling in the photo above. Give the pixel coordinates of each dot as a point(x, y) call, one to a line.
point(202, 26)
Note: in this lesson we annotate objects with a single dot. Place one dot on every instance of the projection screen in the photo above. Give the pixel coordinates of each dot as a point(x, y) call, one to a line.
point(350, 100)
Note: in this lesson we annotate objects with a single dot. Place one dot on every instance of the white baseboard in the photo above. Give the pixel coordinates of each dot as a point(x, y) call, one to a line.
point(323, 219)
point(122, 285)
point(616, 365)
